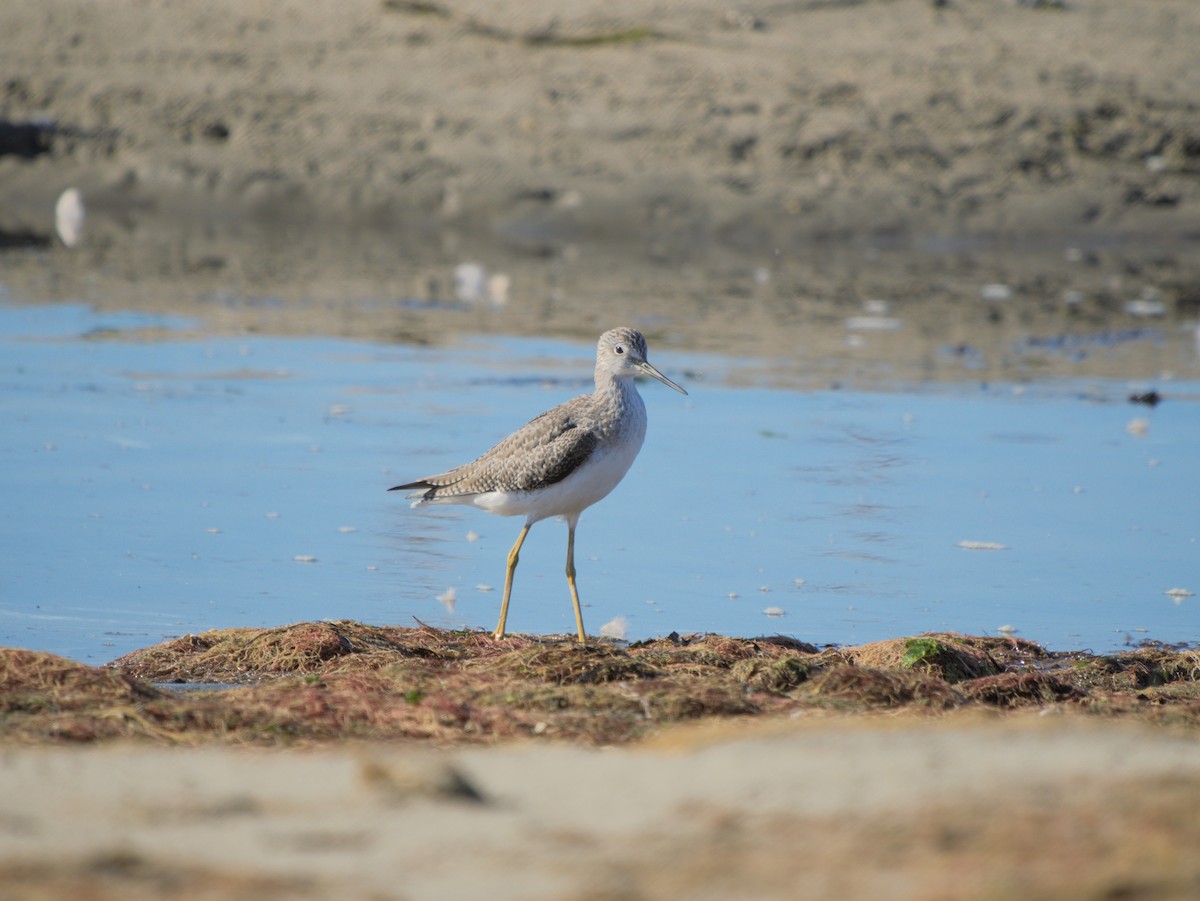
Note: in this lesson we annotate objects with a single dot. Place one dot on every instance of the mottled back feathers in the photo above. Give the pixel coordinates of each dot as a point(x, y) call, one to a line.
point(544, 451)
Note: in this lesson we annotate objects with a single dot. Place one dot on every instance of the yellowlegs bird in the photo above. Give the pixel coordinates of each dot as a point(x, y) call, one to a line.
point(561, 462)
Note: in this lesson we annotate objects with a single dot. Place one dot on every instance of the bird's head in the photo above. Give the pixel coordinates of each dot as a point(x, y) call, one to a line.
point(622, 352)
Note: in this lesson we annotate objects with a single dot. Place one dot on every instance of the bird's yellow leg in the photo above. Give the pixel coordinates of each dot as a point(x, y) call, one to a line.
point(513, 556)
point(571, 581)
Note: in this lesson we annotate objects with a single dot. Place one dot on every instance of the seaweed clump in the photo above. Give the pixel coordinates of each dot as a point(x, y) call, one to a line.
point(314, 682)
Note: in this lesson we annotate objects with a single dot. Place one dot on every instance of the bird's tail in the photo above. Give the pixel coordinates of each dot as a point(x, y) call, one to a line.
point(425, 493)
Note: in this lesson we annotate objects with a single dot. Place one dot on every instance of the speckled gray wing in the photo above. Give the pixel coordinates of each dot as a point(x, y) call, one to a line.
point(544, 451)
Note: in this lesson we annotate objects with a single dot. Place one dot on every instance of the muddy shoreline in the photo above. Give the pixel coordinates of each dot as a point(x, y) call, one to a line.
point(733, 181)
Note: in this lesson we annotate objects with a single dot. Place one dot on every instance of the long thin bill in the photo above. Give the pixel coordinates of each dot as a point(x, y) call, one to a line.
point(654, 373)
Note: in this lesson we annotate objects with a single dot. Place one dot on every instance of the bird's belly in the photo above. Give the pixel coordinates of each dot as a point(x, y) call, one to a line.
point(590, 483)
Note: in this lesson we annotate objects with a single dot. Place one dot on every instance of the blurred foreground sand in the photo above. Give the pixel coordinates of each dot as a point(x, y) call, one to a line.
point(1034, 807)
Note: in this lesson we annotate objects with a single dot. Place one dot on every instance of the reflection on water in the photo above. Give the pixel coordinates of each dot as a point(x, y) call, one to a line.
point(156, 485)
point(864, 310)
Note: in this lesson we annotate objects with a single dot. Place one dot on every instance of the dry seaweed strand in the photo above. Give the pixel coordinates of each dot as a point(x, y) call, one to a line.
point(323, 681)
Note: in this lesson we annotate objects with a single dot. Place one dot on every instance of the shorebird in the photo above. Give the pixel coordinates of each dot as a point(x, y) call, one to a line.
point(560, 463)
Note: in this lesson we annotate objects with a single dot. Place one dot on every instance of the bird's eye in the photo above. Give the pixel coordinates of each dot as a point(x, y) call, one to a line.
point(620, 348)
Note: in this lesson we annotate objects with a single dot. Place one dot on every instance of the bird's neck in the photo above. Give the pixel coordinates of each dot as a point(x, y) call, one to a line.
point(618, 403)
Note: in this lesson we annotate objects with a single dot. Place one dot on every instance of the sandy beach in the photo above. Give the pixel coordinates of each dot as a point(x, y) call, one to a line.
point(740, 176)
point(894, 808)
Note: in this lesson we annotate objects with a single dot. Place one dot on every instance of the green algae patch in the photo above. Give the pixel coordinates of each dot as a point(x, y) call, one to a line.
point(951, 657)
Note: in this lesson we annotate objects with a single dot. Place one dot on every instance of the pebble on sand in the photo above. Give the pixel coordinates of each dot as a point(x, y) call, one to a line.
point(69, 214)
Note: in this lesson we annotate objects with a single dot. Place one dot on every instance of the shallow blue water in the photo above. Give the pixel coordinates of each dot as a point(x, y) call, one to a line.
point(154, 488)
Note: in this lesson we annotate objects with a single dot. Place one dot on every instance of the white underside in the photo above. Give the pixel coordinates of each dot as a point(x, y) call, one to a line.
point(591, 482)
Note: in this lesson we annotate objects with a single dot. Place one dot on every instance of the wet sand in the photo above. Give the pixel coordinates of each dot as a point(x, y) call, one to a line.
point(732, 180)
point(665, 121)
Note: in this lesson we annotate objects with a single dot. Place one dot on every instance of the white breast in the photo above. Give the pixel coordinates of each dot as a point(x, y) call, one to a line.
point(598, 476)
